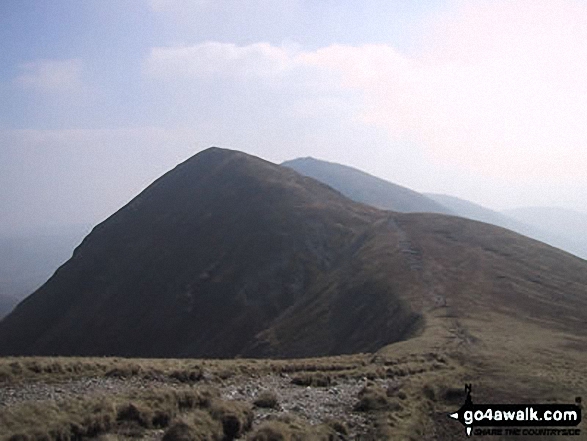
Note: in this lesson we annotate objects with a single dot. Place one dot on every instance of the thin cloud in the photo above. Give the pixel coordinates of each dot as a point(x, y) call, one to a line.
point(496, 88)
point(213, 58)
point(51, 76)
point(176, 5)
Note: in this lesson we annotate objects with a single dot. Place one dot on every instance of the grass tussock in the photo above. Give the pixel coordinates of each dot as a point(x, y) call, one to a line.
point(55, 369)
point(267, 399)
point(290, 428)
point(220, 421)
point(198, 425)
point(375, 398)
point(81, 418)
point(314, 379)
point(190, 375)
point(236, 417)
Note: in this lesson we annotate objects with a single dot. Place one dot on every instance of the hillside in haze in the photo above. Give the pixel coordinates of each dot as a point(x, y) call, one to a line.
point(365, 188)
point(470, 210)
point(6, 304)
point(230, 255)
point(222, 248)
point(562, 229)
point(559, 227)
point(29, 258)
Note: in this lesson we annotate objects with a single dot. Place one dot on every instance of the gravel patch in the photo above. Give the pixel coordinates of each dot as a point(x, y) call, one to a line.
point(39, 391)
point(313, 404)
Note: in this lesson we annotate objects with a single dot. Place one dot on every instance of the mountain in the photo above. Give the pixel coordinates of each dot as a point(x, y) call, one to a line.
point(562, 229)
point(470, 210)
point(207, 257)
point(29, 258)
point(230, 255)
point(360, 186)
point(559, 227)
point(6, 304)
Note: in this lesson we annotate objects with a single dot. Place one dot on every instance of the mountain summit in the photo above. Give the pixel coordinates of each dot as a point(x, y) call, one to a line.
point(230, 255)
point(225, 255)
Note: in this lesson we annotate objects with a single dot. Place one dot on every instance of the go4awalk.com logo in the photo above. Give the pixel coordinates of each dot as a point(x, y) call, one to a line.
point(519, 419)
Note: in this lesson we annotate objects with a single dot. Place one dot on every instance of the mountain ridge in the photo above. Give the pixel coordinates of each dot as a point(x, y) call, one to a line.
point(230, 255)
point(365, 188)
point(239, 221)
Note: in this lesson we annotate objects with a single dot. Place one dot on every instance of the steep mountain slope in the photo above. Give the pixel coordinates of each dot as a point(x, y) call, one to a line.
point(559, 227)
point(366, 188)
point(6, 304)
point(205, 258)
point(230, 255)
point(29, 258)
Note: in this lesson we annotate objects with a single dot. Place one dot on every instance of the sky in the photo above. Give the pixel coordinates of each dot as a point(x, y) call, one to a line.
point(483, 100)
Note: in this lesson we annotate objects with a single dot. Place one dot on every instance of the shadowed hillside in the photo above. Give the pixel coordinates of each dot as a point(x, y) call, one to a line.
point(231, 255)
point(207, 257)
point(6, 304)
point(228, 255)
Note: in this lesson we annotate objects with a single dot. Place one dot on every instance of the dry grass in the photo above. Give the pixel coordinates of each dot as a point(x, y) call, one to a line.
point(89, 417)
point(135, 413)
point(290, 428)
point(267, 399)
point(410, 386)
point(197, 425)
point(55, 369)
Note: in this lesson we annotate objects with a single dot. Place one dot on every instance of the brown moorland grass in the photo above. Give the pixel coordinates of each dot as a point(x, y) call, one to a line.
point(167, 403)
point(410, 386)
point(80, 417)
point(54, 369)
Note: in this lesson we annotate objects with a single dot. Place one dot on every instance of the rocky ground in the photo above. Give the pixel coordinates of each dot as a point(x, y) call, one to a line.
point(314, 405)
point(13, 394)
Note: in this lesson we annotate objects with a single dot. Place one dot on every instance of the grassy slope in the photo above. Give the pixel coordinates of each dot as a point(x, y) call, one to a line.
point(518, 329)
point(203, 260)
point(495, 329)
point(499, 310)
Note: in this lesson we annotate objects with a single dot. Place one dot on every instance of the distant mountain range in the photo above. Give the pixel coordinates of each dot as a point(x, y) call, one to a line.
point(470, 210)
point(564, 229)
point(230, 255)
point(363, 187)
point(559, 227)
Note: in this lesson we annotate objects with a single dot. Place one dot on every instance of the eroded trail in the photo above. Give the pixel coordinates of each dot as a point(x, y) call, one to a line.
point(414, 258)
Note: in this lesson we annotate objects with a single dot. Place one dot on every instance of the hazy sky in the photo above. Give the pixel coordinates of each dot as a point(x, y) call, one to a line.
point(484, 100)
